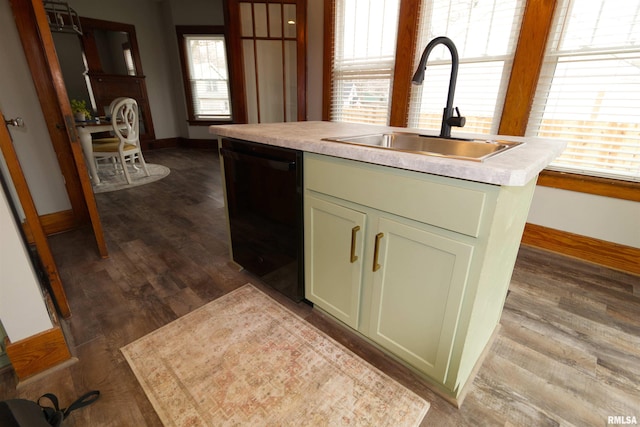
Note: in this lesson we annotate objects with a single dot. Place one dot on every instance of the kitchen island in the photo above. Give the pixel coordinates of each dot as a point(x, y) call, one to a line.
point(413, 252)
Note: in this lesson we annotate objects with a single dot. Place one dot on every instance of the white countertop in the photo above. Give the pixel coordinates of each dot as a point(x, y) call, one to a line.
point(515, 167)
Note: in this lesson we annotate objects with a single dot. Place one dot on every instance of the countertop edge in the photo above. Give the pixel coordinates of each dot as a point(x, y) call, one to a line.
point(515, 167)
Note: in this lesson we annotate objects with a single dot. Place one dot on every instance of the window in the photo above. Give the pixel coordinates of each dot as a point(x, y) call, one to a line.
point(363, 60)
point(485, 34)
point(583, 88)
point(589, 89)
point(205, 74)
point(128, 59)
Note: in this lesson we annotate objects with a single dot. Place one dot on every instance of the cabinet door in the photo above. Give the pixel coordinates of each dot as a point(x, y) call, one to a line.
point(334, 238)
point(417, 294)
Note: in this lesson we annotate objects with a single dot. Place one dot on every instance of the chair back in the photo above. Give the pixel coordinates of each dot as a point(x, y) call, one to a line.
point(113, 104)
point(124, 120)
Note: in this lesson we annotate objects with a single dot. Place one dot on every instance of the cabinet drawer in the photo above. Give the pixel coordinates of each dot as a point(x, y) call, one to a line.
point(447, 203)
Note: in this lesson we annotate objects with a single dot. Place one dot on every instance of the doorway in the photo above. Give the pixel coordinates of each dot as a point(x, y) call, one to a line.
point(272, 38)
point(33, 30)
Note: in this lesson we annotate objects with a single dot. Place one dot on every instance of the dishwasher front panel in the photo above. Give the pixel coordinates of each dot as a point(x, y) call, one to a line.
point(264, 203)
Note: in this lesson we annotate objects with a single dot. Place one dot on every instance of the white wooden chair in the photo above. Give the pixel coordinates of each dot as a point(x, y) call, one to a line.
point(111, 115)
point(124, 119)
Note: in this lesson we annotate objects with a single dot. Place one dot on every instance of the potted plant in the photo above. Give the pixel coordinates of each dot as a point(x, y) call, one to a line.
point(79, 109)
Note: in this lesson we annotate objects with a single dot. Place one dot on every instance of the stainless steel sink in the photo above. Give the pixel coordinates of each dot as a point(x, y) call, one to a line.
point(465, 149)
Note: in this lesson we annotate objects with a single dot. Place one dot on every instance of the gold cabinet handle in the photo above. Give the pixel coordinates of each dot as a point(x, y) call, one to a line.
point(354, 231)
point(376, 249)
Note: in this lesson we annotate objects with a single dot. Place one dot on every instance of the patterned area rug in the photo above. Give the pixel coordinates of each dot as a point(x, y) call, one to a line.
point(112, 180)
point(245, 360)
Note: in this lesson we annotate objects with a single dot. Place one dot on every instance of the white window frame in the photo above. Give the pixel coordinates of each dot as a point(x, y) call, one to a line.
point(192, 83)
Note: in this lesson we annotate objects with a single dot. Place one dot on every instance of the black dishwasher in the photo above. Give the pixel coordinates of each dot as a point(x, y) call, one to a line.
point(264, 203)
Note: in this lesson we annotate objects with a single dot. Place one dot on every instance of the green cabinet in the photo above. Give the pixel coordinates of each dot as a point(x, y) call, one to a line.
point(416, 263)
point(415, 277)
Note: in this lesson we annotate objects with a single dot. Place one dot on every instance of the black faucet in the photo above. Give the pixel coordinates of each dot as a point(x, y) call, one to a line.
point(448, 120)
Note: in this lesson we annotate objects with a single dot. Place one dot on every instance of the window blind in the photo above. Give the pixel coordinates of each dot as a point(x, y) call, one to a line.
point(485, 34)
point(589, 89)
point(208, 76)
point(363, 60)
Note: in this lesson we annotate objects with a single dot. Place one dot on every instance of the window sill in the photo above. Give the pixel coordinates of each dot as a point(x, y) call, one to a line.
point(592, 185)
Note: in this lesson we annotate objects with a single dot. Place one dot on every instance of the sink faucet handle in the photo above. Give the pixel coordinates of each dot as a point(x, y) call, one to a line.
point(458, 120)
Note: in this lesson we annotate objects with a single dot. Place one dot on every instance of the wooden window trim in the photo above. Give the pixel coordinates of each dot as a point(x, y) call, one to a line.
point(327, 61)
point(407, 41)
point(301, 53)
point(614, 188)
point(527, 62)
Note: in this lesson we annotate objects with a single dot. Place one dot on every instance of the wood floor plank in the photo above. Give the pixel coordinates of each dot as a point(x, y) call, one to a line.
point(582, 390)
point(115, 385)
point(495, 404)
point(541, 395)
point(550, 341)
point(621, 371)
point(591, 330)
point(184, 302)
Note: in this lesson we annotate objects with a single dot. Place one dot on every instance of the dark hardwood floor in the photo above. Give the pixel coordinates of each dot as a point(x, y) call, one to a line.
point(568, 352)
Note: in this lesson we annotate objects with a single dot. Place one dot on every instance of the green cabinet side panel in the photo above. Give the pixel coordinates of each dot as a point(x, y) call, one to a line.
point(485, 302)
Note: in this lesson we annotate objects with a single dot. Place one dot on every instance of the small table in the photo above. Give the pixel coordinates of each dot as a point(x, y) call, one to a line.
point(85, 129)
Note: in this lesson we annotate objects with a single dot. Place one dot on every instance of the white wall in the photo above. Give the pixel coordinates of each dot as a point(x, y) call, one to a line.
point(22, 307)
point(603, 218)
point(197, 12)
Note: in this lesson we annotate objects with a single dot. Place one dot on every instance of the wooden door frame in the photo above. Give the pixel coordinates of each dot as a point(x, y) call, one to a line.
point(37, 41)
point(33, 221)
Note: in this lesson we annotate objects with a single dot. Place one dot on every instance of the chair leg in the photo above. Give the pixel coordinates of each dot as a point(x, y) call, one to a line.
point(125, 169)
point(114, 161)
point(144, 164)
